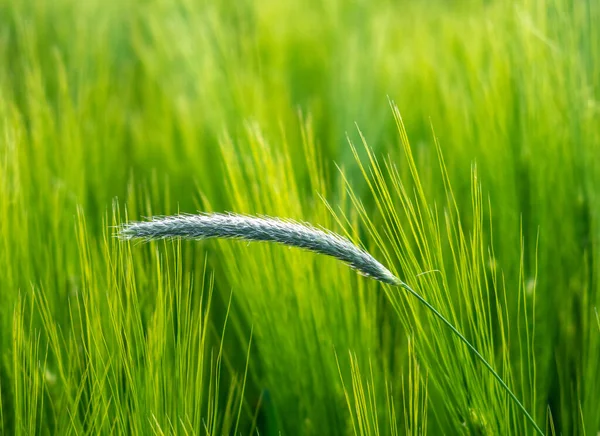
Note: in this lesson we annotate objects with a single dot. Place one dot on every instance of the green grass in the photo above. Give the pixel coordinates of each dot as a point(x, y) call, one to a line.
point(483, 198)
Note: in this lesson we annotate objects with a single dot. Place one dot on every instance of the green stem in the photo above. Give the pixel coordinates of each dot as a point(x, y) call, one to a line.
point(479, 356)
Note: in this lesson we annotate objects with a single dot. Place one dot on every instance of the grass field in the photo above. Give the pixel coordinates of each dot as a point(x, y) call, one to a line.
point(458, 142)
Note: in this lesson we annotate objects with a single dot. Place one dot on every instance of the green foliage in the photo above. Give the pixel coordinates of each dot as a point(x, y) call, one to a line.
point(119, 110)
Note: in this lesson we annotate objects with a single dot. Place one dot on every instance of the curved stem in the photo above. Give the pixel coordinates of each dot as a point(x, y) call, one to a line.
point(479, 356)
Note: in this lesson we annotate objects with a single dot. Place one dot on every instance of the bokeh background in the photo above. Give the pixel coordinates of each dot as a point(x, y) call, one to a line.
point(122, 110)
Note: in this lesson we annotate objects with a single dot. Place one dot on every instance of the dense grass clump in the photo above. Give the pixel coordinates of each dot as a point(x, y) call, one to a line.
point(111, 112)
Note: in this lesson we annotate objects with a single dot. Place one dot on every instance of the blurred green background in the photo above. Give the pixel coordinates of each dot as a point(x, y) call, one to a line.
point(123, 110)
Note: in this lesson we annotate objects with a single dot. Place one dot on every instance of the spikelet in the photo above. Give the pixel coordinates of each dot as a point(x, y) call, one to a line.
point(267, 229)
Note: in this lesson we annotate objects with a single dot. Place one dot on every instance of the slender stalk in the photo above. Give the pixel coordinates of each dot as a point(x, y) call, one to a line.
point(479, 356)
